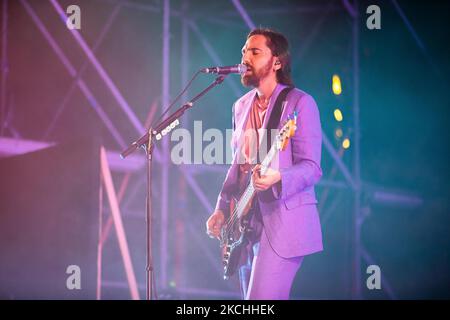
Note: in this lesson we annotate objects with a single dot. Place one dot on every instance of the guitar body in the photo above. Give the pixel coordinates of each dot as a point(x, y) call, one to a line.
point(233, 239)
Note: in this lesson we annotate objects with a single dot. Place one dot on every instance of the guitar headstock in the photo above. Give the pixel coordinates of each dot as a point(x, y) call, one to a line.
point(287, 131)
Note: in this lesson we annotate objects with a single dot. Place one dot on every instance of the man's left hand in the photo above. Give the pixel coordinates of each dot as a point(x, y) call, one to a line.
point(264, 182)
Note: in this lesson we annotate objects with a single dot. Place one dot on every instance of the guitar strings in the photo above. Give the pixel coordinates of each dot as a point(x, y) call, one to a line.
point(234, 216)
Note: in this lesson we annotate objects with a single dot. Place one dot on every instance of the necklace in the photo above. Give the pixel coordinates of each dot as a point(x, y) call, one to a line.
point(262, 103)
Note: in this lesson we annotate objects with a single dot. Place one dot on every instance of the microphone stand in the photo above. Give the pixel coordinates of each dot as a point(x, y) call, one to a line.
point(146, 142)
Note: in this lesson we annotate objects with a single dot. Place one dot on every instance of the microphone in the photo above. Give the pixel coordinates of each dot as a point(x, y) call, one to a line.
point(238, 68)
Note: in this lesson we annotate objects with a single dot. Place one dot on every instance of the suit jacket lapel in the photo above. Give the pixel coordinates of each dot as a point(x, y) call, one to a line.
point(246, 106)
point(273, 98)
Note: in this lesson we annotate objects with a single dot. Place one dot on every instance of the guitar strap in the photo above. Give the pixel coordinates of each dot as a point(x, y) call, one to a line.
point(275, 117)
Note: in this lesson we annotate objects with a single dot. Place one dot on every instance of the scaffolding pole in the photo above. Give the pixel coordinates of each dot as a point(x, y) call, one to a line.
point(165, 145)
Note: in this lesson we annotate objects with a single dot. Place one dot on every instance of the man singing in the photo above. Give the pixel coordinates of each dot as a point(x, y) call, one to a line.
point(284, 220)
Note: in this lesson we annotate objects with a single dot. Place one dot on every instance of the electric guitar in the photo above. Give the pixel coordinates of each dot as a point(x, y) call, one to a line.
point(236, 228)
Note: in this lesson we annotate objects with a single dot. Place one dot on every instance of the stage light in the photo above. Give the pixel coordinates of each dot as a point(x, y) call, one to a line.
point(338, 115)
point(346, 143)
point(338, 133)
point(337, 89)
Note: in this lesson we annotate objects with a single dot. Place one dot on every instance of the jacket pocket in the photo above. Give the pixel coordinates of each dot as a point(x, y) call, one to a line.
point(298, 199)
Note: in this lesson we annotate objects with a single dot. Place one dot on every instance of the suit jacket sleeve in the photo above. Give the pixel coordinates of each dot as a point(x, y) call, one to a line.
point(306, 147)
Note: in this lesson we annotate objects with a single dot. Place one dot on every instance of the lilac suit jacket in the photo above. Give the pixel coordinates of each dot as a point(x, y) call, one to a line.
point(288, 208)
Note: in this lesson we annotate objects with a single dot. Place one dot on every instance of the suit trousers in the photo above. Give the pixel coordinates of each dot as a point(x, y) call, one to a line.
point(263, 274)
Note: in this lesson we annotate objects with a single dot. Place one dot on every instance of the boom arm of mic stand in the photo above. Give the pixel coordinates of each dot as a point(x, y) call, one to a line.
point(163, 124)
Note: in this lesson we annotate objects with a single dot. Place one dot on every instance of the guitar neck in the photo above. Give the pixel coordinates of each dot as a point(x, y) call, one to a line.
point(249, 192)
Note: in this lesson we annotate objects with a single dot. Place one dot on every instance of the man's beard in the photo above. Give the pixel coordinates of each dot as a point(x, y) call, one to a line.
point(255, 77)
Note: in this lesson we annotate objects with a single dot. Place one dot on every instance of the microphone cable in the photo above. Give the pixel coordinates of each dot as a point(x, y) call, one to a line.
point(176, 99)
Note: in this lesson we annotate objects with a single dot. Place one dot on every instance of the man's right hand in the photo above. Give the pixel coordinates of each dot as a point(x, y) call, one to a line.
point(214, 224)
